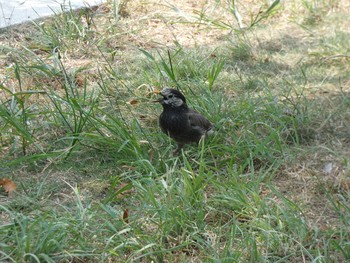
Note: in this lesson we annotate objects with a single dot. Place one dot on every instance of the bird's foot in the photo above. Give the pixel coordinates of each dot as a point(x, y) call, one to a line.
point(178, 149)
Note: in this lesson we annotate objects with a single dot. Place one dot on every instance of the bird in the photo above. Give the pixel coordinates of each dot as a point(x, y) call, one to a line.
point(180, 122)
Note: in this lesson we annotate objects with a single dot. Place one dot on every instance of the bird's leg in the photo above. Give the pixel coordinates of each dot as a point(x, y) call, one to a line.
point(179, 147)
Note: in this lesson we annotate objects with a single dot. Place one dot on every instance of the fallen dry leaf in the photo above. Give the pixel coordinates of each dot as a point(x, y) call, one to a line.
point(8, 185)
point(133, 102)
point(126, 216)
point(123, 190)
point(80, 80)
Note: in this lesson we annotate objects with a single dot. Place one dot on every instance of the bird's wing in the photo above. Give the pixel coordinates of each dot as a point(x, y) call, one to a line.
point(199, 122)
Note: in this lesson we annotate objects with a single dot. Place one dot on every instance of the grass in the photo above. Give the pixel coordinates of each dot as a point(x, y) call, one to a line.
point(96, 180)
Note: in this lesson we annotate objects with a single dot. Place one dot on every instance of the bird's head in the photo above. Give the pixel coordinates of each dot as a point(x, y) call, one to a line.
point(172, 98)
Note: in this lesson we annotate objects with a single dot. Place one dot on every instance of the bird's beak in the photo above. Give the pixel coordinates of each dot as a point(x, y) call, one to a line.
point(159, 93)
point(158, 100)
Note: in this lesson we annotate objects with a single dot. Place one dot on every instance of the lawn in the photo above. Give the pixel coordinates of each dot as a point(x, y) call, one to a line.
point(96, 180)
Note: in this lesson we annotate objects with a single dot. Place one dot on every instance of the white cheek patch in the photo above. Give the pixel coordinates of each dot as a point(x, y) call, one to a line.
point(177, 102)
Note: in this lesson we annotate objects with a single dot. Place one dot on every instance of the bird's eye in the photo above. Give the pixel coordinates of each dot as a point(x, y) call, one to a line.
point(170, 96)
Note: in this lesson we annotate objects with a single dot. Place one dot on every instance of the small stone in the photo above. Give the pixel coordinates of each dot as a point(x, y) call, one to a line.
point(328, 167)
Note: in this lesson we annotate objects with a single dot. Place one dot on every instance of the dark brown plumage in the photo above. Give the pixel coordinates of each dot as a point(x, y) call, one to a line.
point(181, 123)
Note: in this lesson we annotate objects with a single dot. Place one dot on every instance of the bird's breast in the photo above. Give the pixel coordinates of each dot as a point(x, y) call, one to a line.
point(172, 121)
